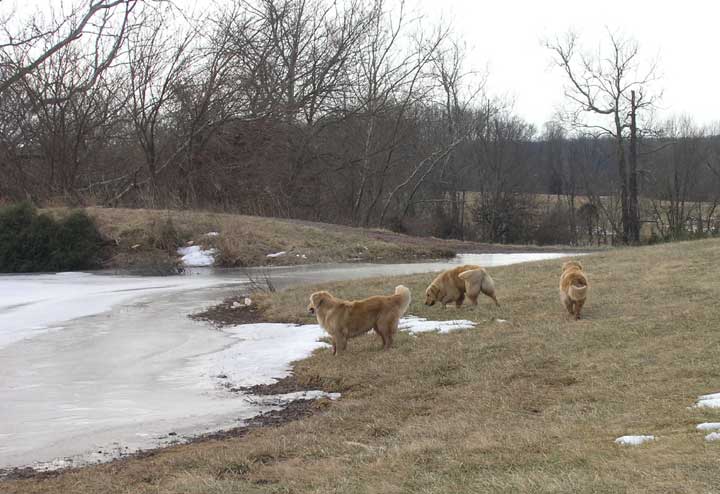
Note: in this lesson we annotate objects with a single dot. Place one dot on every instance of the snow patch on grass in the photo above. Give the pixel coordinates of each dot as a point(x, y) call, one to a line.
point(262, 354)
point(277, 254)
point(708, 426)
point(195, 256)
point(264, 351)
point(633, 440)
point(414, 325)
point(713, 436)
point(709, 401)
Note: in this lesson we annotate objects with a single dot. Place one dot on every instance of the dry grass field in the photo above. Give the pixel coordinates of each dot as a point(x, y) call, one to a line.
point(530, 405)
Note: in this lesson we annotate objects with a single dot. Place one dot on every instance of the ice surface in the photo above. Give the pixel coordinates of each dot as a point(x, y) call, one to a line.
point(34, 304)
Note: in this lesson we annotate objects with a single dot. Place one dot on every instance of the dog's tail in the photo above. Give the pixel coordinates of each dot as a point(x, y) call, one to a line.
point(403, 293)
point(577, 292)
point(488, 288)
point(487, 285)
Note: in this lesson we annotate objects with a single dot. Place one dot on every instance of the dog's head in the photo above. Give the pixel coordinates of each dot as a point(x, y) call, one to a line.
point(571, 264)
point(431, 294)
point(317, 299)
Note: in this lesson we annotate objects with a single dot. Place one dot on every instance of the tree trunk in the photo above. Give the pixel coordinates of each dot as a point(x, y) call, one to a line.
point(633, 209)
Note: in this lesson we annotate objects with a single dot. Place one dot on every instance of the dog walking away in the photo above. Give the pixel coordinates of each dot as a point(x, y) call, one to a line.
point(454, 284)
point(573, 287)
point(345, 319)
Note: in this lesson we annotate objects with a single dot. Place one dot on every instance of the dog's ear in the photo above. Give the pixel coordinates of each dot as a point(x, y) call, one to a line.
point(318, 298)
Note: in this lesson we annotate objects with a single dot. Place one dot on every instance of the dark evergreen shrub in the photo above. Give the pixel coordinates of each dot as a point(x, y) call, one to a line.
point(32, 242)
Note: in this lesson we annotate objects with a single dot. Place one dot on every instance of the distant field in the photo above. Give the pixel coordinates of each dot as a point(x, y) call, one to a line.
point(533, 404)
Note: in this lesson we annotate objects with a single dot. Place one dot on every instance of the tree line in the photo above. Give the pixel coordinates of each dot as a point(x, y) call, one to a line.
point(359, 112)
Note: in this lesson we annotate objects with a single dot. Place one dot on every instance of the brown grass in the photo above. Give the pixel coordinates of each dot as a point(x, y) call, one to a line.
point(532, 405)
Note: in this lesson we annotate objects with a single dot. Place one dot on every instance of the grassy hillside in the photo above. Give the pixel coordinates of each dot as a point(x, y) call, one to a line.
point(147, 238)
point(143, 235)
point(530, 405)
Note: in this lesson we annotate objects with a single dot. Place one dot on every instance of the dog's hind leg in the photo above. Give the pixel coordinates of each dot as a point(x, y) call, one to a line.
point(578, 307)
point(567, 302)
point(381, 334)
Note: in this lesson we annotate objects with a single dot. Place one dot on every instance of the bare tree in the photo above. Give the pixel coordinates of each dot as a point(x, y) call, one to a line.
point(105, 22)
point(610, 86)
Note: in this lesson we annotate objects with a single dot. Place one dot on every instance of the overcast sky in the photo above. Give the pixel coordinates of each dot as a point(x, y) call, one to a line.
point(506, 36)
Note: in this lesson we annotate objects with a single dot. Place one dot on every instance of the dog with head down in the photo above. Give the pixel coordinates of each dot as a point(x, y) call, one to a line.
point(345, 319)
point(453, 285)
point(573, 287)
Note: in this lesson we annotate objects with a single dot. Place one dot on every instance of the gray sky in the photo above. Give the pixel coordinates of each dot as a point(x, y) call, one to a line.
point(506, 35)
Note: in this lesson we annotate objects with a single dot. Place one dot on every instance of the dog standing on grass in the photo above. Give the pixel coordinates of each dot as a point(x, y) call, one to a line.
point(454, 284)
point(345, 319)
point(573, 287)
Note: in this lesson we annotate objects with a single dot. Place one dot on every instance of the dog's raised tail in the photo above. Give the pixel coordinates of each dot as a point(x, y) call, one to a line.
point(577, 292)
point(404, 293)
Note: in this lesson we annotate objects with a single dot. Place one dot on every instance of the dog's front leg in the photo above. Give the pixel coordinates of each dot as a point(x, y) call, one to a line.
point(334, 345)
point(340, 345)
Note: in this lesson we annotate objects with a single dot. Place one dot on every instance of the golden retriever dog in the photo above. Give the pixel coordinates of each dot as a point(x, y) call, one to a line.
point(573, 287)
point(345, 319)
point(454, 284)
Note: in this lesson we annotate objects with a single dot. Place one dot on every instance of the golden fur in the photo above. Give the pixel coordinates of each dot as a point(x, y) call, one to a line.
point(454, 284)
point(573, 287)
point(345, 319)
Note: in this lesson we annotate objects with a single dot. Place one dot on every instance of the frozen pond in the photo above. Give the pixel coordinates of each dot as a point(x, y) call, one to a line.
point(96, 366)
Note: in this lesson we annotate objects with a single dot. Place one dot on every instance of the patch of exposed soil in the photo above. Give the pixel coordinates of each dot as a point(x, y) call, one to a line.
point(230, 312)
point(285, 385)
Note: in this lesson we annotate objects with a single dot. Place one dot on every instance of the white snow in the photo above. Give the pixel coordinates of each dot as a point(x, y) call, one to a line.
point(262, 354)
point(713, 436)
point(277, 254)
point(414, 325)
point(212, 234)
point(708, 426)
point(633, 440)
point(709, 401)
point(196, 256)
